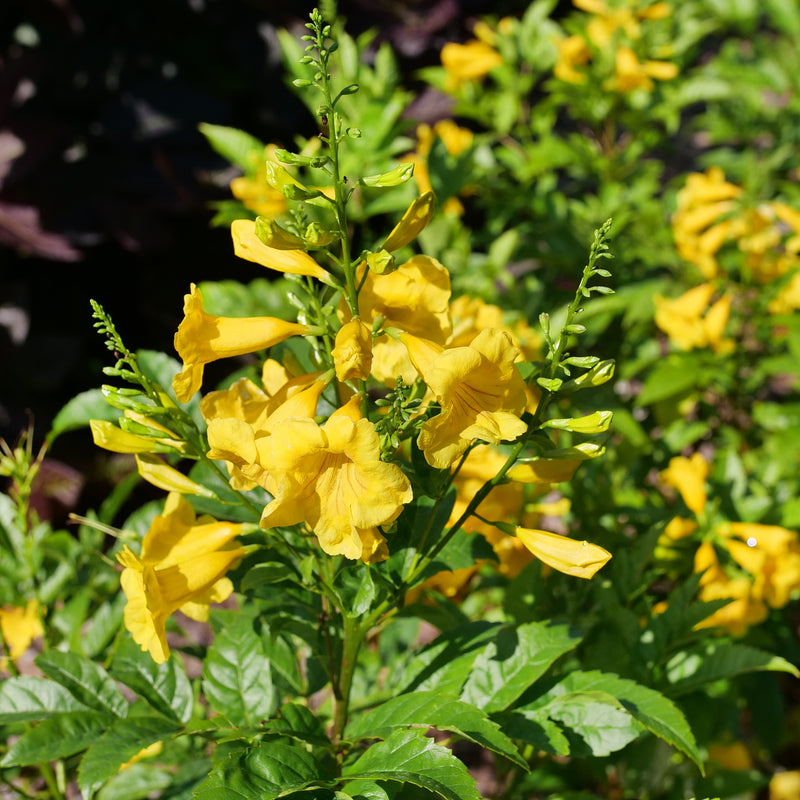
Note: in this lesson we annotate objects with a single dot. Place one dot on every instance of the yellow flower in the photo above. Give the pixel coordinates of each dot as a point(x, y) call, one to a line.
point(412, 223)
point(414, 298)
point(456, 140)
point(20, 626)
point(182, 565)
point(771, 554)
point(607, 21)
point(690, 322)
point(240, 420)
point(573, 51)
point(254, 191)
point(632, 74)
point(785, 785)
point(332, 478)
point(352, 355)
point(469, 61)
point(107, 435)
point(570, 556)
point(743, 610)
point(480, 391)
point(293, 262)
point(688, 476)
point(202, 338)
point(787, 299)
point(731, 756)
point(701, 224)
point(146, 752)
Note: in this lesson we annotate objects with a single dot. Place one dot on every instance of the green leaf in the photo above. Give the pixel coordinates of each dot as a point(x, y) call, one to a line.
point(598, 718)
point(298, 722)
point(513, 661)
point(57, 737)
point(434, 710)
point(264, 771)
point(691, 669)
point(656, 713)
point(26, 698)
point(671, 377)
point(120, 743)
point(446, 662)
point(236, 675)
point(105, 622)
point(534, 728)
point(237, 146)
point(79, 410)
point(86, 681)
point(407, 756)
point(164, 686)
point(138, 782)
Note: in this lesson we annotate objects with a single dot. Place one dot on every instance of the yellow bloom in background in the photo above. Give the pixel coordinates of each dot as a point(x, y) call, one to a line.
point(414, 298)
point(688, 476)
point(181, 566)
point(352, 355)
point(332, 478)
point(771, 554)
point(468, 62)
point(785, 785)
point(20, 626)
point(742, 611)
point(570, 556)
point(702, 222)
point(203, 338)
point(731, 756)
point(293, 262)
point(455, 139)
point(632, 74)
point(692, 321)
point(606, 21)
point(254, 191)
point(787, 299)
point(146, 752)
point(573, 52)
point(480, 391)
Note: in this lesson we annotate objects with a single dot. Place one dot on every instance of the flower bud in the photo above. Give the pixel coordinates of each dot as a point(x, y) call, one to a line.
point(592, 423)
point(395, 177)
point(381, 263)
point(352, 354)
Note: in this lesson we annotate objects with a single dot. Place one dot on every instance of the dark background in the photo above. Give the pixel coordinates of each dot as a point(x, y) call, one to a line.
point(109, 197)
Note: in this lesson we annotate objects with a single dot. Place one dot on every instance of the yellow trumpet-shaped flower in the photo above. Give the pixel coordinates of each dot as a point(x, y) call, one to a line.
point(573, 52)
point(480, 391)
point(688, 476)
point(352, 354)
point(20, 626)
point(203, 338)
point(182, 565)
point(692, 321)
point(414, 298)
point(632, 74)
point(570, 556)
point(332, 478)
point(469, 61)
point(294, 262)
point(412, 223)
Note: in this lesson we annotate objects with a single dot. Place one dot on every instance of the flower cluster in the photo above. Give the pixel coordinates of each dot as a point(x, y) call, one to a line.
point(617, 31)
point(754, 566)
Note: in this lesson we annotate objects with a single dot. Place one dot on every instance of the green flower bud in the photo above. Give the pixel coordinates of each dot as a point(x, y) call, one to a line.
point(273, 235)
point(592, 423)
point(399, 175)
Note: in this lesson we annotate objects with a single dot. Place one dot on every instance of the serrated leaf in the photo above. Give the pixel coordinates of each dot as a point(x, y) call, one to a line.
point(535, 728)
point(86, 681)
point(264, 771)
point(77, 412)
point(434, 710)
point(57, 737)
point(409, 757)
point(689, 670)
point(164, 686)
point(446, 662)
point(236, 676)
point(511, 663)
point(26, 698)
point(120, 743)
point(237, 146)
point(657, 713)
point(298, 722)
point(138, 782)
point(598, 718)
